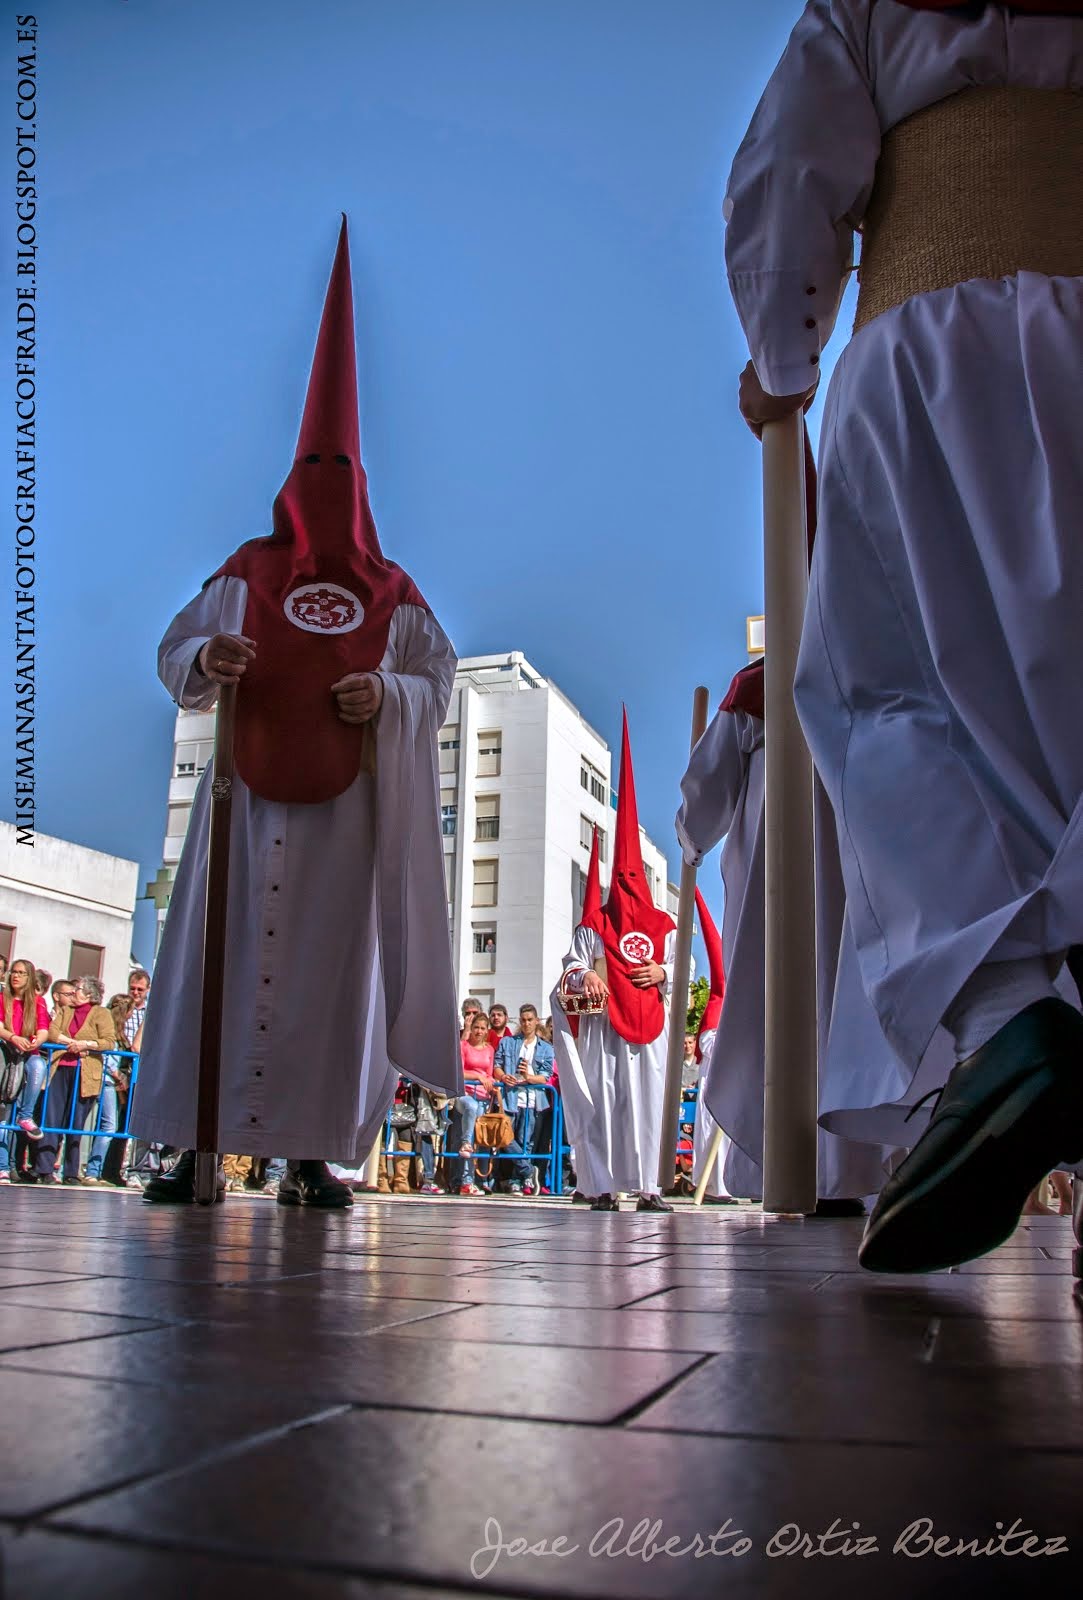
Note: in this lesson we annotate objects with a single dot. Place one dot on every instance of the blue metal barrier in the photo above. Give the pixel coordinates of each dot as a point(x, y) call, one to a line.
point(70, 1129)
point(550, 1161)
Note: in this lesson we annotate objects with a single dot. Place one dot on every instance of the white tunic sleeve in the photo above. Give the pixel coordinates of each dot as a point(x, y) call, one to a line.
point(418, 670)
point(586, 948)
point(420, 651)
point(714, 781)
point(800, 181)
point(219, 608)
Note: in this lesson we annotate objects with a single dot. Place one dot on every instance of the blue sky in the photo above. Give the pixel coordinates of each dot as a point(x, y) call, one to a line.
point(547, 351)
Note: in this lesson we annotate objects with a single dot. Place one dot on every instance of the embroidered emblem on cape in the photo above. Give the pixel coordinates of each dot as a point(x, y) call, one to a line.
point(324, 608)
point(636, 948)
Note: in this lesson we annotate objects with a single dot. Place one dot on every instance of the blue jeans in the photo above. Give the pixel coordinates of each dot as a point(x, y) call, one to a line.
point(23, 1107)
point(461, 1131)
point(66, 1109)
point(424, 1147)
point(107, 1124)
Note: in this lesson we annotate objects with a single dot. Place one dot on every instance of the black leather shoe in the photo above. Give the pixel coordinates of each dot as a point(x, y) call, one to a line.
point(839, 1208)
point(312, 1183)
point(178, 1187)
point(719, 1200)
point(1007, 1115)
point(605, 1202)
point(652, 1202)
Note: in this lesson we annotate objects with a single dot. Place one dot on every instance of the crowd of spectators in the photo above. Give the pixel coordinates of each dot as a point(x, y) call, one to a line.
point(73, 1097)
point(63, 1111)
point(497, 1135)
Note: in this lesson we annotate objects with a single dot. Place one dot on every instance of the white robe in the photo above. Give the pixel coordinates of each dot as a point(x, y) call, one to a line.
point(705, 1126)
point(338, 962)
point(937, 682)
point(724, 796)
point(612, 1091)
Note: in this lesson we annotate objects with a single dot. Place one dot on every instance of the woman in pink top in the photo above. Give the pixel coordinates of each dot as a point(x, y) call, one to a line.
point(24, 1026)
point(479, 1088)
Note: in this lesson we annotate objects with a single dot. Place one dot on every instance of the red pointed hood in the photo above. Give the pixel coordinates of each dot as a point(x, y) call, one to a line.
point(713, 941)
point(592, 894)
point(320, 593)
point(322, 510)
point(633, 930)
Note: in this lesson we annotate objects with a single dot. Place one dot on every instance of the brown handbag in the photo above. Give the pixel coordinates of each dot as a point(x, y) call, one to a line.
point(493, 1131)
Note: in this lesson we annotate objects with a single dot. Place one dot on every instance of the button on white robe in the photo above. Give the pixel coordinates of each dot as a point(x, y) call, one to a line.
point(938, 681)
point(338, 966)
point(612, 1090)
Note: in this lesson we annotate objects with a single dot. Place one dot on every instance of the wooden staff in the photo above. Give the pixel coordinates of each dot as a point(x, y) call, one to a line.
point(712, 1157)
point(682, 962)
point(214, 950)
point(789, 1098)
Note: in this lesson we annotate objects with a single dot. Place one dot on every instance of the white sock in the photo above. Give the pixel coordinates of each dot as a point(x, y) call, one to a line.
point(992, 996)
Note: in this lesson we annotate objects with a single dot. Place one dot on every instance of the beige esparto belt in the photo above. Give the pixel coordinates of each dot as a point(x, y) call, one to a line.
point(984, 184)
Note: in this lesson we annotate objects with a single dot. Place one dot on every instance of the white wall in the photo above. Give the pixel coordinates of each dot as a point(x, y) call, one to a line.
point(58, 891)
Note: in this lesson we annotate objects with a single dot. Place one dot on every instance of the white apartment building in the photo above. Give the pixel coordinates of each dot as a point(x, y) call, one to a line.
point(524, 778)
point(66, 908)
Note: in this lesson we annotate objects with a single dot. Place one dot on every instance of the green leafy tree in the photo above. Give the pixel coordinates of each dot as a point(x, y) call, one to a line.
point(698, 995)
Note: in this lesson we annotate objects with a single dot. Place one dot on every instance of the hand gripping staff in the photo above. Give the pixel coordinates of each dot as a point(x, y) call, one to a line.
point(214, 950)
point(678, 1006)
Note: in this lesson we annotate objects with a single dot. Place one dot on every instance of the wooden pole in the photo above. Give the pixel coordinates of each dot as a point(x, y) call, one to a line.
point(678, 1007)
point(708, 1165)
point(214, 950)
point(790, 1081)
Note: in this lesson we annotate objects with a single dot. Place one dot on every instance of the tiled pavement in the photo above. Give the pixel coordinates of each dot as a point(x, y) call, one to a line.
point(255, 1402)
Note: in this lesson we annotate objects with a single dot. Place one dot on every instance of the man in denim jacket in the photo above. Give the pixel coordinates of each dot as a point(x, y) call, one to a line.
point(523, 1067)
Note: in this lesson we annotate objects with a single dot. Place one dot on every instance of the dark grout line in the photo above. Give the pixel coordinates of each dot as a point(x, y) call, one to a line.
point(206, 1458)
point(639, 1406)
point(82, 1338)
point(398, 1577)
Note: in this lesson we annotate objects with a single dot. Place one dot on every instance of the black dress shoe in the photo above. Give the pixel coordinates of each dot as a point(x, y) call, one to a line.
point(312, 1183)
point(719, 1200)
point(839, 1208)
point(178, 1187)
point(605, 1202)
point(652, 1202)
point(1007, 1115)
point(581, 1199)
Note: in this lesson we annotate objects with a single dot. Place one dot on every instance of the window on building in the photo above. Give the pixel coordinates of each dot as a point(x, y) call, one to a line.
point(592, 780)
point(488, 816)
point(586, 832)
point(85, 960)
point(449, 878)
point(177, 821)
point(7, 941)
point(192, 756)
point(603, 845)
point(485, 883)
point(489, 750)
point(484, 948)
point(649, 875)
point(449, 813)
point(449, 748)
